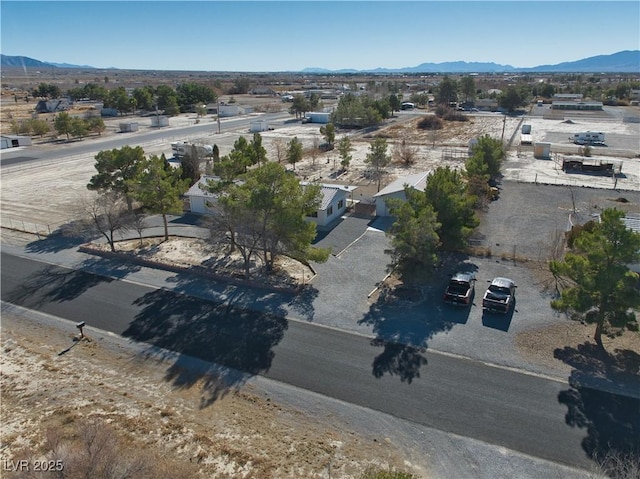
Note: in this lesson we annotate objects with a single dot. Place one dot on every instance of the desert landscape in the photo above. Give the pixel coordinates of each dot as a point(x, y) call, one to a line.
point(50, 405)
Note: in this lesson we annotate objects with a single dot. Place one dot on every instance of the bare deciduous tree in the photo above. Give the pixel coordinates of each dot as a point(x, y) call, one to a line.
point(280, 147)
point(405, 153)
point(315, 150)
point(107, 214)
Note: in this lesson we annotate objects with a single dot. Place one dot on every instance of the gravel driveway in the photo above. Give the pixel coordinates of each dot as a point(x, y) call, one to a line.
point(526, 216)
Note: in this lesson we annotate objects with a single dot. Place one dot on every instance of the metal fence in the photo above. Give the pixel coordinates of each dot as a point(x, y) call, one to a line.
point(28, 227)
point(518, 253)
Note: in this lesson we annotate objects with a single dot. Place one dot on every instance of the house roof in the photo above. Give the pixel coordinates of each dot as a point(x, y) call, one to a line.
point(14, 137)
point(417, 181)
point(195, 190)
point(329, 191)
point(632, 223)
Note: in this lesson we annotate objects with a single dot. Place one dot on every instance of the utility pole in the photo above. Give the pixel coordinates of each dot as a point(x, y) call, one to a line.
point(504, 124)
point(218, 116)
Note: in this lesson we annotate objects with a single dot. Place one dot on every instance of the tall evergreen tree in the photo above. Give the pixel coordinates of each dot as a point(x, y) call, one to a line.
point(446, 193)
point(414, 237)
point(159, 188)
point(116, 168)
point(603, 290)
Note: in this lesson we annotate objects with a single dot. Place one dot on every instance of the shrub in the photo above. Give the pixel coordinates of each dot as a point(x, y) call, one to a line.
point(453, 115)
point(441, 110)
point(430, 123)
point(576, 230)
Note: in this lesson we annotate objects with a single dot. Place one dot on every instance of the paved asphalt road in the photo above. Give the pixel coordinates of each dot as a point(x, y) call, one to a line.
point(65, 150)
point(519, 411)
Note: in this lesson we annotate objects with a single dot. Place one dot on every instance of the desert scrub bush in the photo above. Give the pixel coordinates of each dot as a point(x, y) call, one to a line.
point(453, 115)
point(449, 114)
point(95, 450)
point(430, 123)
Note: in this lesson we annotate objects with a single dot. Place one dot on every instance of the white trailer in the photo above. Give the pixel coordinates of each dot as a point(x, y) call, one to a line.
point(181, 149)
point(588, 138)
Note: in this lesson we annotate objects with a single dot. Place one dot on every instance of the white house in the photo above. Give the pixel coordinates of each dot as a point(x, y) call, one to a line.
point(333, 204)
point(14, 141)
point(395, 189)
point(201, 200)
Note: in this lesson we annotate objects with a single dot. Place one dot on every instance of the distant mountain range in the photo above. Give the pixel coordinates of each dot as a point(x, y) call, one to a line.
point(622, 62)
point(627, 61)
point(10, 61)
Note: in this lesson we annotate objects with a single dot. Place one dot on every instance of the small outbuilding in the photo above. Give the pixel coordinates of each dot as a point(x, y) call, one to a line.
point(542, 151)
point(202, 201)
point(395, 189)
point(258, 126)
point(14, 141)
point(128, 127)
point(159, 120)
point(318, 117)
point(230, 110)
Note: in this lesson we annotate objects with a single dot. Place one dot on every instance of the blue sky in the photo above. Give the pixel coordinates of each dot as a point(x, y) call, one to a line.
point(292, 35)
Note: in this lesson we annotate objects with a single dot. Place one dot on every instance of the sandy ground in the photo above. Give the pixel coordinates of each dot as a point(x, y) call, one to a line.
point(243, 434)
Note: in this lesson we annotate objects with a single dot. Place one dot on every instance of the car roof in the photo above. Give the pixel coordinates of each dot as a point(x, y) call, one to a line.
point(502, 282)
point(461, 276)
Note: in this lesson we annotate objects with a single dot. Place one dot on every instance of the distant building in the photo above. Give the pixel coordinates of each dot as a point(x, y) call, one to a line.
point(576, 105)
point(486, 104)
point(128, 127)
point(263, 90)
point(567, 97)
point(159, 120)
point(318, 117)
point(14, 141)
point(53, 106)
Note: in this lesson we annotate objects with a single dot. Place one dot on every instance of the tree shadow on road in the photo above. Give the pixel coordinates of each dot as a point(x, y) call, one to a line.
point(302, 303)
point(53, 284)
point(257, 299)
point(67, 236)
point(228, 342)
point(404, 323)
point(604, 399)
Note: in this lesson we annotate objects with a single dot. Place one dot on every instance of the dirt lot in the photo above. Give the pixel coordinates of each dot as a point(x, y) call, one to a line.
point(50, 401)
